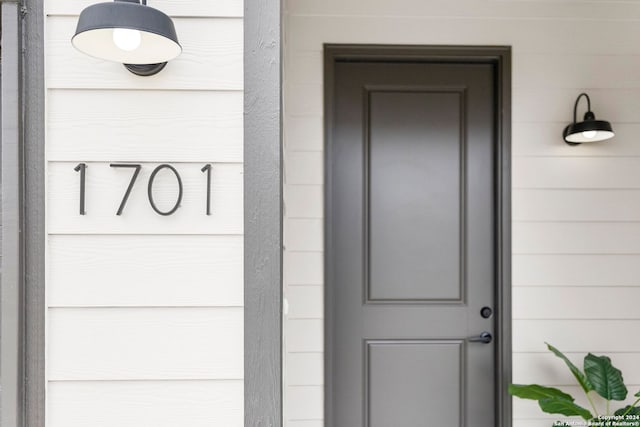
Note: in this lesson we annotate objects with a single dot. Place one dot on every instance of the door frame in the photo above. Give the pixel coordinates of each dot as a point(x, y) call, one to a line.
point(500, 58)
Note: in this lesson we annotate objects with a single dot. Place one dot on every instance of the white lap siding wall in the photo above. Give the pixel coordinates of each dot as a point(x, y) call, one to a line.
point(576, 210)
point(145, 312)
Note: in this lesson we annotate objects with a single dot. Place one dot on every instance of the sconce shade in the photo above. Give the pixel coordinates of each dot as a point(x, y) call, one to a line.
point(127, 32)
point(588, 130)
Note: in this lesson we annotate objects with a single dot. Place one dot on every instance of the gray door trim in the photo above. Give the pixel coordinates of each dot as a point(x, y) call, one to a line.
point(500, 56)
point(262, 214)
point(22, 310)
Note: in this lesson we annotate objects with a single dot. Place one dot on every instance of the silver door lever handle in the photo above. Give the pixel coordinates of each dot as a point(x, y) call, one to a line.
point(485, 338)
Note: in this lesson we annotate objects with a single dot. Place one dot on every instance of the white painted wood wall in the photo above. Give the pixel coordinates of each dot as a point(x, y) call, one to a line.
point(576, 211)
point(145, 313)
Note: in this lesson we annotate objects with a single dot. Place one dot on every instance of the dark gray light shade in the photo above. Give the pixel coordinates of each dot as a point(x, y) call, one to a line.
point(588, 131)
point(158, 41)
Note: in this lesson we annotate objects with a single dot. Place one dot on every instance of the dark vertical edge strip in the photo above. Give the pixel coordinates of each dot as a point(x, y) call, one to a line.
point(329, 82)
point(34, 212)
point(464, 356)
point(11, 310)
point(263, 214)
point(366, 383)
point(366, 196)
point(503, 168)
point(464, 191)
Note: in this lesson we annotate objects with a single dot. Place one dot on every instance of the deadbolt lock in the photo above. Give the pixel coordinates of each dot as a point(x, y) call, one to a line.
point(486, 312)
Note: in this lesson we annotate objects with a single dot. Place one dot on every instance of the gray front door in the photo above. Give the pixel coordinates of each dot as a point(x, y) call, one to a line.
point(411, 244)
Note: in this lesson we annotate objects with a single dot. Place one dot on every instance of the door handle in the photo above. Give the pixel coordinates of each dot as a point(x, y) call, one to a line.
point(485, 338)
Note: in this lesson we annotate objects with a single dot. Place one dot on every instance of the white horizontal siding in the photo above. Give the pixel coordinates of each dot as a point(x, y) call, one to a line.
point(303, 235)
point(304, 201)
point(150, 126)
point(305, 369)
point(305, 302)
point(576, 205)
point(145, 343)
point(473, 9)
point(145, 403)
point(211, 59)
point(304, 168)
point(305, 268)
point(572, 335)
point(305, 423)
point(305, 403)
point(303, 133)
point(153, 271)
point(304, 335)
point(576, 270)
point(575, 303)
point(575, 209)
point(576, 238)
point(526, 35)
point(183, 8)
point(586, 172)
point(304, 98)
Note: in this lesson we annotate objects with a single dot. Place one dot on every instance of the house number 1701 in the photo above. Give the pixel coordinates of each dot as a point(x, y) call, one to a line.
point(82, 169)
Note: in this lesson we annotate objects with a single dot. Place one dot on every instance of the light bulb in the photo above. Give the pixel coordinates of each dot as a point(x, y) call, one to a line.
point(589, 134)
point(126, 39)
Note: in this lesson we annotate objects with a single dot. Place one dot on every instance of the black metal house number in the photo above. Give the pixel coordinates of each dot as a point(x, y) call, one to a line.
point(82, 168)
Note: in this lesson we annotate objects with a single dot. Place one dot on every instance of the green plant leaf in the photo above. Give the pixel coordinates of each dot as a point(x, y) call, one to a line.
point(637, 394)
point(632, 410)
point(606, 380)
point(553, 405)
point(537, 392)
point(582, 379)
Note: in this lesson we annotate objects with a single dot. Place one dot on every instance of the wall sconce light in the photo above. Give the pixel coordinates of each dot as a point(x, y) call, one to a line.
point(588, 130)
point(127, 31)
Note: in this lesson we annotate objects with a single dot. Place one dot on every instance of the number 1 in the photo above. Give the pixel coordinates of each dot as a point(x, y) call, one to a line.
point(82, 168)
point(207, 168)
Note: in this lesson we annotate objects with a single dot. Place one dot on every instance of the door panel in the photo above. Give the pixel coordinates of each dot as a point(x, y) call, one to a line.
point(414, 378)
point(412, 257)
point(409, 216)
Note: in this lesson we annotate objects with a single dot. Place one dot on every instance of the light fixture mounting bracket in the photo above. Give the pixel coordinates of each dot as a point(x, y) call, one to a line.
point(145, 70)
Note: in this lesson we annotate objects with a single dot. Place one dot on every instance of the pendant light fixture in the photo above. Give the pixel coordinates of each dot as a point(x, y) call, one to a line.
point(588, 130)
point(130, 32)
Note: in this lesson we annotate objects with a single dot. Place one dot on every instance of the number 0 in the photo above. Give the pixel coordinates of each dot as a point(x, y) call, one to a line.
point(150, 189)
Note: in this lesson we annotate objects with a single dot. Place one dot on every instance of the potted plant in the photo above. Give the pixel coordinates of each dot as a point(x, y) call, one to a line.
point(599, 376)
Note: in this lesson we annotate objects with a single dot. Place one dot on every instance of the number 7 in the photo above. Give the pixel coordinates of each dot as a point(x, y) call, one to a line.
point(137, 168)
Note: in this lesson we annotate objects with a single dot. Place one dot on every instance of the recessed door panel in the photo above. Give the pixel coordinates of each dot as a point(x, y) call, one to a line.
point(414, 378)
point(416, 154)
